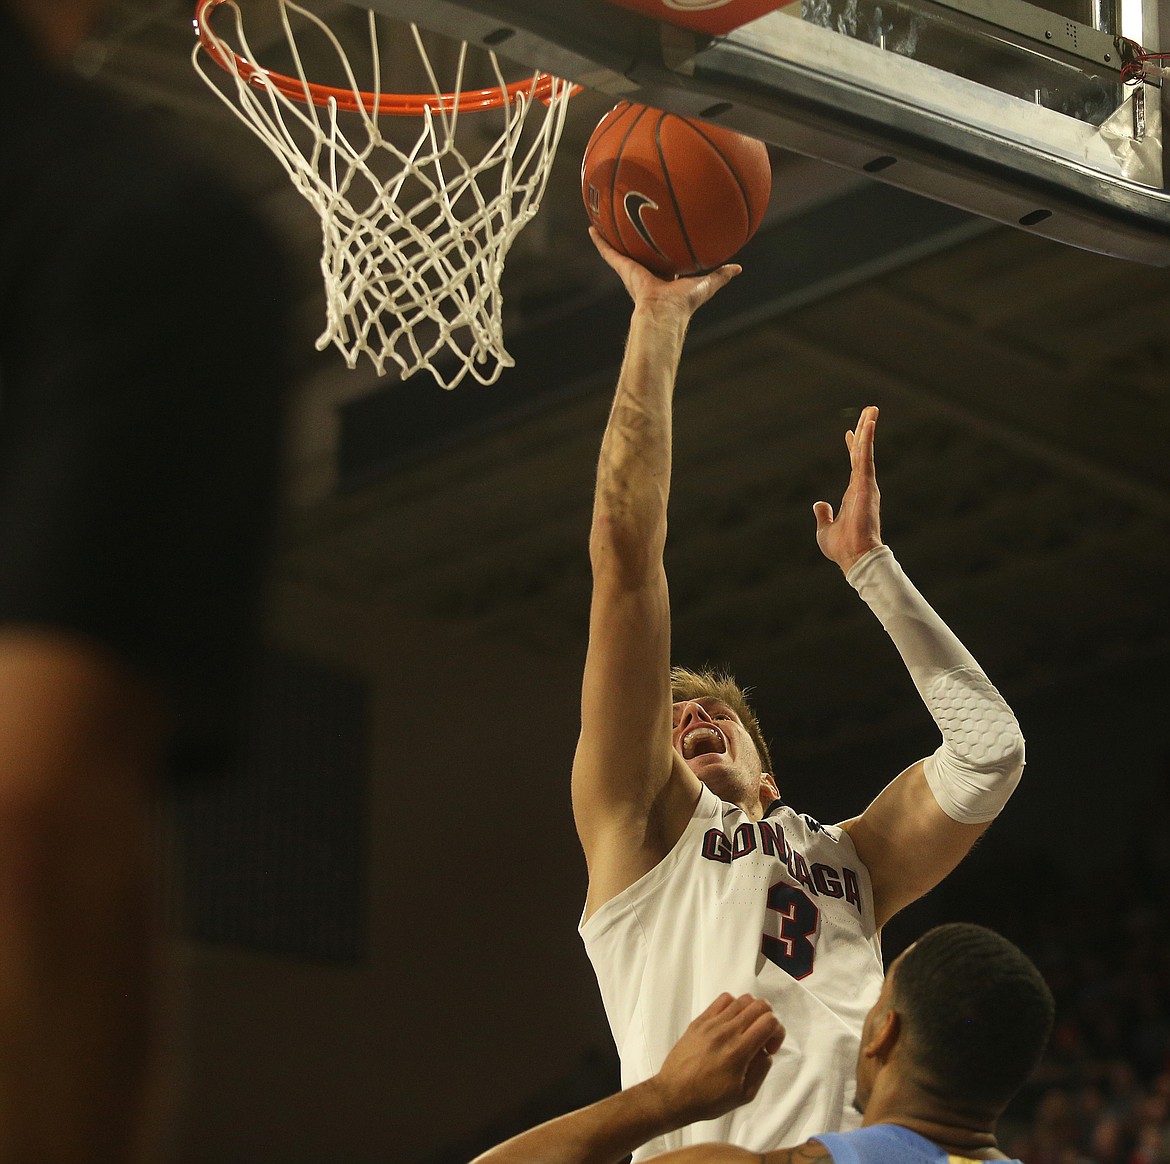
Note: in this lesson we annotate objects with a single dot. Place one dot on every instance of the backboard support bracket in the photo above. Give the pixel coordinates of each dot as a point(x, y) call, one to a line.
point(849, 103)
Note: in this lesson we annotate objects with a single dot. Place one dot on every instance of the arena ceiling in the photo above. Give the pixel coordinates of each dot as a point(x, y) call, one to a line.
point(1021, 450)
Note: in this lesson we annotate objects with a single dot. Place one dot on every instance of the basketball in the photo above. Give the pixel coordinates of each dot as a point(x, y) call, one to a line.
point(679, 196)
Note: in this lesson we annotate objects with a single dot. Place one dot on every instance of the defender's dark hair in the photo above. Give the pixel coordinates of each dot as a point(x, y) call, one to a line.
point(977, 1012)
point(721, 685)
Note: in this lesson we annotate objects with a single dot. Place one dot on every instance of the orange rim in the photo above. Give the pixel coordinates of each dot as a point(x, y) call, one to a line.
point(539, 88)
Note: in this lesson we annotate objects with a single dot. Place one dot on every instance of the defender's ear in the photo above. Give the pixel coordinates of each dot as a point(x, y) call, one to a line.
point(884, 1036)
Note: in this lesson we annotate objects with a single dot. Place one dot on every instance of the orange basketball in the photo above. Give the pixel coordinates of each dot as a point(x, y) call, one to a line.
point(678, 195)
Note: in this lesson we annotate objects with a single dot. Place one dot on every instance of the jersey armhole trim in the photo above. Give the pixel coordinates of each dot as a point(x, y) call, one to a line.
point(706, 807)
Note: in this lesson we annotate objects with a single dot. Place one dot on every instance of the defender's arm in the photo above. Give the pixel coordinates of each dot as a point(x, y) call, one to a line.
point(717, 1065)
point(718, 1154)
point(632, 794)
point(812, 1152)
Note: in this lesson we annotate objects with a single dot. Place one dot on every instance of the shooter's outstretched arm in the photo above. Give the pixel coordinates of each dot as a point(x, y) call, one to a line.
point(632, 794)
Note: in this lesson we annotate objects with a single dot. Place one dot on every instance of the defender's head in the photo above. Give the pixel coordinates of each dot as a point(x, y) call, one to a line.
point(719, 738)
point(962, 1019)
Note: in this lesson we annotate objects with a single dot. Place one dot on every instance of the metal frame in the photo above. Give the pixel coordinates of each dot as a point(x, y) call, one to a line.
point(1047, 29)
point(818, 93)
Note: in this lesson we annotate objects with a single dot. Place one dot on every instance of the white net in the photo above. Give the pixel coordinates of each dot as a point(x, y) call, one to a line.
point(415, 236)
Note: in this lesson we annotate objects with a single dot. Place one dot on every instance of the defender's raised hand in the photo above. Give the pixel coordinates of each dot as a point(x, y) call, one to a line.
point(856, 529)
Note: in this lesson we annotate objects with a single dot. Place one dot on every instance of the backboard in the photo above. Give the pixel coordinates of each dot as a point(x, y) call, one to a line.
point(1012, 111)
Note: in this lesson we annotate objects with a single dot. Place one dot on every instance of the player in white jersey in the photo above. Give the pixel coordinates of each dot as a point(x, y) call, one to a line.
point(961, 1022)
point(780, 907)
point(698, 882)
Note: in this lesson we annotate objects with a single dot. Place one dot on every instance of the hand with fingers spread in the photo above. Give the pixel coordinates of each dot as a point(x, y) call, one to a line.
point(646, 289)
point(856, 529)
point(721, 1059)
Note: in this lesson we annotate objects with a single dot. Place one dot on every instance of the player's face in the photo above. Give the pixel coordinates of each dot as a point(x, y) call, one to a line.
point(716, 746)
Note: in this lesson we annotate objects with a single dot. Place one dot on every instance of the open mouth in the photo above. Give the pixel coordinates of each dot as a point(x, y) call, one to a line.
point(702, 741)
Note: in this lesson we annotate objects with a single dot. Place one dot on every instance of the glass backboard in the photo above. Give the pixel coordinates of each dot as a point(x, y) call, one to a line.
point(1011, 110)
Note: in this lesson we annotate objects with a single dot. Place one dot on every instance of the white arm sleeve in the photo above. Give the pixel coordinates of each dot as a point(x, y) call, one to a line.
point(982, 754)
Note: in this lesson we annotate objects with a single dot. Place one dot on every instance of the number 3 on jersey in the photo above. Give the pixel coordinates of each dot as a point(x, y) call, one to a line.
point(793, 951)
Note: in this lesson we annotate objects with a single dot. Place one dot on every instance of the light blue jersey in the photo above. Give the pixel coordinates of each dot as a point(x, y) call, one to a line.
point(888, 1144)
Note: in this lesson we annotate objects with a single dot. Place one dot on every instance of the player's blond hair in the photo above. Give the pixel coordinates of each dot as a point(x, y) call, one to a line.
point(721, 685)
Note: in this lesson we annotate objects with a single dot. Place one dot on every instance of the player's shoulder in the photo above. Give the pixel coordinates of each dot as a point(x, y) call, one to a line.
point(885, 1143)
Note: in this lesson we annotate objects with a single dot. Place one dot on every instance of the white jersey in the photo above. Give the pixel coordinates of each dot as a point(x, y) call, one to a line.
point(781, 908)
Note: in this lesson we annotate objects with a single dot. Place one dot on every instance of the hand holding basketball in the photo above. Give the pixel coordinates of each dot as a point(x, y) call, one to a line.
point(646, 288)
point(857, 527)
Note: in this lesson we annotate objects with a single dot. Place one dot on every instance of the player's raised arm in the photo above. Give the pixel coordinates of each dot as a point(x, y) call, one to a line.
point(925, 822)
point(718, 1064)
point(632, 794)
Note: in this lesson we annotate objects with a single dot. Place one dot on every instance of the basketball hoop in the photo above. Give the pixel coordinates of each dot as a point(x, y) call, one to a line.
point(415, 237)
